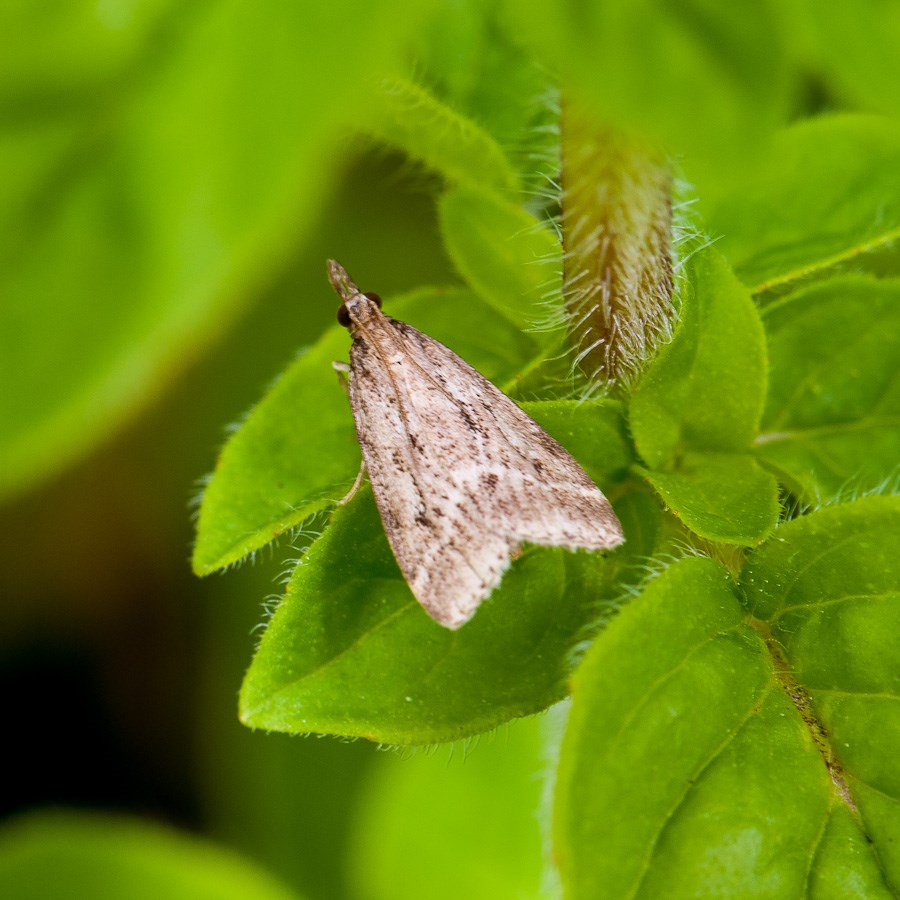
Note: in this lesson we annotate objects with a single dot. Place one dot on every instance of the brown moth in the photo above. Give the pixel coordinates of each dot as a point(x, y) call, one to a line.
point(461, 476)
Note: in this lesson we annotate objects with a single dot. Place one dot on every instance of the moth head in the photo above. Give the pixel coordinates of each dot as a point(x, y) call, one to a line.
point(356, 306)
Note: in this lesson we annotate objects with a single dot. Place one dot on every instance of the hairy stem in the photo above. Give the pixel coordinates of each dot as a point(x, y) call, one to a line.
point(617, 238)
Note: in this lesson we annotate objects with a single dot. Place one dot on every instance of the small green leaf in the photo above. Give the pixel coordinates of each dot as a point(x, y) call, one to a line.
point(350, 652)
point(832, 417)
point(503, 252)
point(829, 588)
point(721, 496)
point(93, 856)
point(593, 431)
point(826, 194)
point(480, 805)
point(705, 390)
point(410, 118)
point(483, 72)
point(686, 768)
point(276, 471)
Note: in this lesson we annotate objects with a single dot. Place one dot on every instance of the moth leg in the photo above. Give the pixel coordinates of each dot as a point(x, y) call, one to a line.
point(356, 485)
point(343, 370)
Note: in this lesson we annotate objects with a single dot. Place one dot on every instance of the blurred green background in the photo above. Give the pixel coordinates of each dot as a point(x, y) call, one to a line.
point(174, 178)
point(121, 668)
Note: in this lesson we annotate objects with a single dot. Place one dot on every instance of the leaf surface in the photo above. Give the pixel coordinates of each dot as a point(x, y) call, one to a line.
point(832, 418)
point(825, 194)
point(658, 706)
point(750, 755)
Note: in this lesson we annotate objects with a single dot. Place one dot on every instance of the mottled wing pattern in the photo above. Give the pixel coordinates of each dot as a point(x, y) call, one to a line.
point(461, 475)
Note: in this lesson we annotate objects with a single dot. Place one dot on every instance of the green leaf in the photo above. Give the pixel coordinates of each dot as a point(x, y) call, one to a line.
point(705, 390)
point(346, 649)
point(484, 73)
point(276, 471)
point(349, 651)
point(721, 496)
point(686, 768)
point(68, 855)
point(503, 252)
point(593, 431)
point(170, 177)
point(825, 194)
point(480, 805)
point(408, 117)
point(832, 417)
point(829, 589)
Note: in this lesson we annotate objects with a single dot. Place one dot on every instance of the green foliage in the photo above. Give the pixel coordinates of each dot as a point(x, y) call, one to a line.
point(503, 252)
point(732, 728)
point(697, 409)
point(705, 391)
point(151, 182)
point(700, 701)
point(833, 410)
point(68, 855)
point(837, 173)
point(690, 766)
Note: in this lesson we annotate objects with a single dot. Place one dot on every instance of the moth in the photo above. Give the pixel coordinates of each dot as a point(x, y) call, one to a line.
point(462, 477)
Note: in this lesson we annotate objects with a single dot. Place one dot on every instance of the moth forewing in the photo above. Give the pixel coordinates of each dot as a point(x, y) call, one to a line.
point(461, 475)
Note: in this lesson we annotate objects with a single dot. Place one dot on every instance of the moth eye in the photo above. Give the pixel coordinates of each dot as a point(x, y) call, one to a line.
point(343, 316)
point(374, 298)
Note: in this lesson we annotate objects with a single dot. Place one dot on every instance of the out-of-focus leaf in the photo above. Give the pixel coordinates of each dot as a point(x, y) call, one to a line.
point(705, 390)
point(826, 193)
point(858, 45)
point(832, 417)
point(687, 769)
point(483, 72)
point(73, 49)
point(707, 80)
point(68, 855)
point(410, 118)
point(278, 469)
point(504, 253)
point(483, 835)
point(167, 182)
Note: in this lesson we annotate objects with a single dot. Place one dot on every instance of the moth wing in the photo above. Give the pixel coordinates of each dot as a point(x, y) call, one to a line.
point(450, 556)
point(538, 493)
point(557, 503)
point(461, 475)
